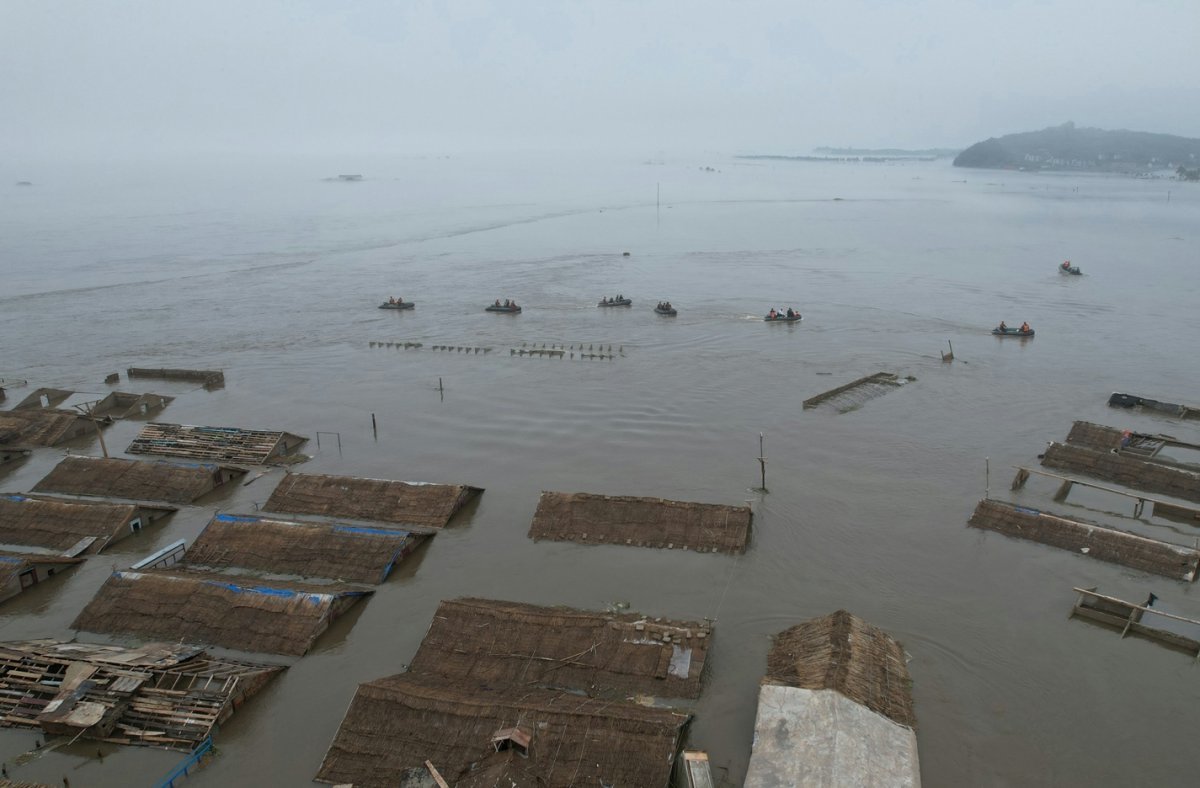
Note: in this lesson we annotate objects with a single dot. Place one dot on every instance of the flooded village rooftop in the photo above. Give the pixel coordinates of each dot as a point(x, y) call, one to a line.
point(643, 522)
point(73, 526)
point(116, 477)
point(380, 500)
point(194, 606)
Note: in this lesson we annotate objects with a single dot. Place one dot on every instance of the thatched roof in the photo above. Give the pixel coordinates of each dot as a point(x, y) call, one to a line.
point(1094, 436)
point(331, 550)
point(162, 695)
point(645, 522)
point(39, 427)
point(213, 444)
point(114, 477)
point(383, 500)
point(243, 613)
point(844, 653)
point(1089, 538)
point(485, 642)
point(1124, 469)
point(395, 724)
point(60, 525)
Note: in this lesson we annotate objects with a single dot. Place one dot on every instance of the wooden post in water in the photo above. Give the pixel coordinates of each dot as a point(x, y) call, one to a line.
point(374, 427)
point(762, 463)
point(987, 478)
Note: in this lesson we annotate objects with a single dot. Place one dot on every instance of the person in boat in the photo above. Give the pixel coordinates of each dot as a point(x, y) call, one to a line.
point(497, 302)
point(391, 299)
point(1003, 327)
point(772, 314)
point(620, 298)
point(790, 313)
point(1025, 328)
point(1066, 265)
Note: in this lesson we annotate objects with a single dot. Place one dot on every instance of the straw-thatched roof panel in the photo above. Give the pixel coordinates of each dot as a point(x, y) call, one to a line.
point(496, 644)
point(114, 477)
point(60, 525)
point(645, 522)
point(163, 695)
point(273, 617)
point(40, 427)
point(1088, 538)
point(383, 500)
point(844, 653)
point(331, 550)
point(395, 724)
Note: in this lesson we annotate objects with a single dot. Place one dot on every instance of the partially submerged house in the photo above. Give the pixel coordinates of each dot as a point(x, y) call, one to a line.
point(482, 642)
point(126, 405)
point(337, 551)
point(44, 398)
point(1129, 470)
point(241, 613)
point(72, 527)
point(215, 444)
point(39, 427)
point(835, 708)
point(1088, 538)
point(21, 571)
point(503, 693)
point(381, 500)
point(160, 694)
point(114, 477)
point(12, 455)
point(644, 522)
point(485, 736)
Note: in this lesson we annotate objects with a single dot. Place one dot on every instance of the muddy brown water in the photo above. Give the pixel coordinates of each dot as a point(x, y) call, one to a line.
point(274, 276)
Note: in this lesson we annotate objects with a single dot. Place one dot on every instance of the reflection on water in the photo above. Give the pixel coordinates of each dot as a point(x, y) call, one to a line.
point(278, 286)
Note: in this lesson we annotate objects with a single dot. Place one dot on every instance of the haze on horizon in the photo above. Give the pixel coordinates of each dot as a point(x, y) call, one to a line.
point(144, 78)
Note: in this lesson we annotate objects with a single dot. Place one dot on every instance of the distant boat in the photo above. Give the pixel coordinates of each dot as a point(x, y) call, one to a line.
point(509, 310)
point(616, 302)
point(782, 317)
point(1012, 332)
point(1067, 268)
point(398, 305)
point(667, 311)
point(354, 177)
point(24, 183)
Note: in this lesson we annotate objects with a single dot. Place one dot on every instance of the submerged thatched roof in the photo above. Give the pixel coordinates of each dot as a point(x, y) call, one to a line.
point(398, 723)
point(274, 617)
point(331, 550)
point(59, 525)
point(645, 522)
point(1088, 538)
point(485, 642)
point(36, 427)
point(844, 653)
point(383, 500)
point(54, 398)
point(161, 694)
point(114, 477)
point(1125, 469)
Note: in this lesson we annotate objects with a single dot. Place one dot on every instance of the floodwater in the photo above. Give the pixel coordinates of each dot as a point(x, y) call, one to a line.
point(272, 275)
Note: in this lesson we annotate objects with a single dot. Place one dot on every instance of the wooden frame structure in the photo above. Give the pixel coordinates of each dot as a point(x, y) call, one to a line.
point(1129, 618)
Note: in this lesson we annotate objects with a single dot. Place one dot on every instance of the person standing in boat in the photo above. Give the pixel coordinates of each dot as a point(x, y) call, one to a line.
point(1025, 328)
point(391, 299)
point(1003, 326)
point(772, 314)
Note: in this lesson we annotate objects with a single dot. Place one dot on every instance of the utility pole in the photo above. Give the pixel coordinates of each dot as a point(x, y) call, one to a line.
point(88, 410)
point(762, 464)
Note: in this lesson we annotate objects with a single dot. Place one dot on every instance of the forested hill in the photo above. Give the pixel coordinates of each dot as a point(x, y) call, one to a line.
point(1066, 147)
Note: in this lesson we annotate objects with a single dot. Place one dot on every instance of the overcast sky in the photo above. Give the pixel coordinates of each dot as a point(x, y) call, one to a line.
point(397, 76)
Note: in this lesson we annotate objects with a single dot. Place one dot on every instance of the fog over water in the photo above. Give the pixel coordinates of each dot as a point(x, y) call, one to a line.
point(179, 213)
point(273, 275)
